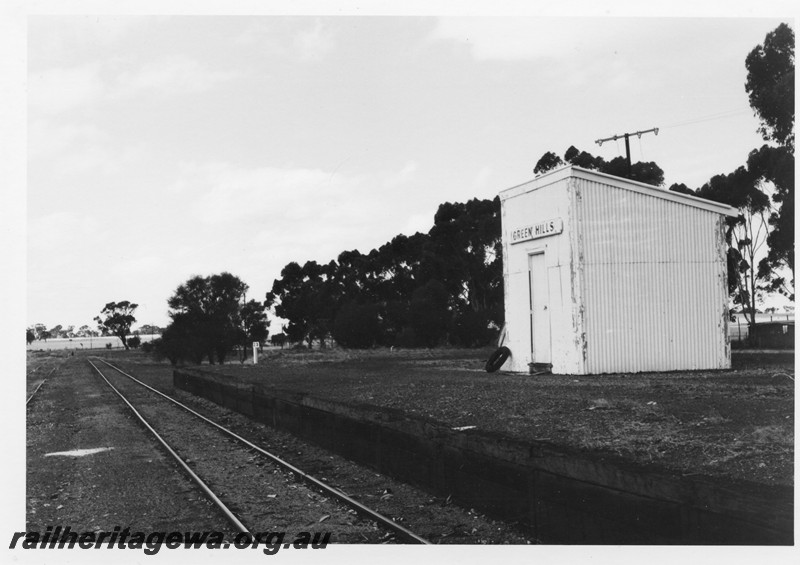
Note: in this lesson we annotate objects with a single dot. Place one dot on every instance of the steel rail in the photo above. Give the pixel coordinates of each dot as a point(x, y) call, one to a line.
point(221, 505)
point(44, 380)
point(385, 521)
point(35, 391)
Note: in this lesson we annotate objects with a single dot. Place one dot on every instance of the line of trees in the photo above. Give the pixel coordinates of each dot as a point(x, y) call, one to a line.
point(646, 172)
point(40, 332)
point(419, 290)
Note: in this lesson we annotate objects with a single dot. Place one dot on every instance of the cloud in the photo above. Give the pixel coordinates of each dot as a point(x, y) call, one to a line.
point(526, 38)
point(88, 30)
point(295, 194)
point(235, 194)
point(403, 176)
point(47, 140)
point(301, 207)
point(481, 179)
point(289, 38)
point(60, 150)
point(54, 91)
point(612, 54)
point(171, 75)
point(62, 227)
point(257, 32)
point(314, 44)
point(418, 223)
point(59, 90)
point(259, 219)
point(137, 266)
point(62, 37)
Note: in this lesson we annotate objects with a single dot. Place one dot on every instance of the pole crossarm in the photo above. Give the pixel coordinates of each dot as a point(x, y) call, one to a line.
point(626, 135)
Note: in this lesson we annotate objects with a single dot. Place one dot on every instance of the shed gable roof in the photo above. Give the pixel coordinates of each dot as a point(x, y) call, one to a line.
point(568, 171)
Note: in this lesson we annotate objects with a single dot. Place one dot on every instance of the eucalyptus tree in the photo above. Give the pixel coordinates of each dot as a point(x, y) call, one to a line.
point(207, 314)
point(307, 297)
point(770, 88)
point(116, 319)
point(747, 234)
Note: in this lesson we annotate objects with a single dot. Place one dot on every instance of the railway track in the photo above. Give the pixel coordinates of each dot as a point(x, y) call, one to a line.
point(35, 391)
point(44, 380)
point(212, 455)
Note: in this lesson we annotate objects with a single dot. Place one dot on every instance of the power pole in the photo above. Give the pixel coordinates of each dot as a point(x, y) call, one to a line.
point(627, 143)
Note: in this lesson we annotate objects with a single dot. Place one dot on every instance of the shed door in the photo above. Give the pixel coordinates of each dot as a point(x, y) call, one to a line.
point(540, 314)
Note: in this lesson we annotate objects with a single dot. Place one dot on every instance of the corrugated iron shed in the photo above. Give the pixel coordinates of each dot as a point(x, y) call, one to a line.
point(603, 274)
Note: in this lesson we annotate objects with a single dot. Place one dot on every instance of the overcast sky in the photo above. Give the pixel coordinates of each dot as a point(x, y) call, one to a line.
point(165, 147)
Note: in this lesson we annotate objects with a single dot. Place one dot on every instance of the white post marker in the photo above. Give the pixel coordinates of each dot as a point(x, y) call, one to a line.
point(255, 352)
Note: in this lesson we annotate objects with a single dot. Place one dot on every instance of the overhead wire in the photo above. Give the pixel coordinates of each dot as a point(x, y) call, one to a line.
point(717, 116)
point(708, 118)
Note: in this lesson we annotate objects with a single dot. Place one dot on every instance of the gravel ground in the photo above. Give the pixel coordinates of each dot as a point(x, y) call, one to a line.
point(261, 495)
point(76, 411)
point(39, 368)
point(133, 484)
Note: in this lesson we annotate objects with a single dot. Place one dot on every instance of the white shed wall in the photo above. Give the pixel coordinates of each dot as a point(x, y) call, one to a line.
point(525, 205)
point(652, 281)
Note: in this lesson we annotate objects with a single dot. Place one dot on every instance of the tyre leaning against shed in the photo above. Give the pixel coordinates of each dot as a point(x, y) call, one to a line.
point(497, 359)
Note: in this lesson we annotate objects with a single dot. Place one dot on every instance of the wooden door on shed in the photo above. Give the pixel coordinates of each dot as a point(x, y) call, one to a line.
point(539, 305)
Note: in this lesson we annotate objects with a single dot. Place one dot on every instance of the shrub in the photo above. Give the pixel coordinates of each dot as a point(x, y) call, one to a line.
point(278, 340)
point(159, 351)
point(134, 341)
point(181, 341)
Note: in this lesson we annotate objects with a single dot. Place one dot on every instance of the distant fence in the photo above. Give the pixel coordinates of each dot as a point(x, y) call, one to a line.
point(739, 330)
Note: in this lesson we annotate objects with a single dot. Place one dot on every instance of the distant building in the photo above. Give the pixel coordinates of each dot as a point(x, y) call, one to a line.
point(772, 335)
point(739, 329)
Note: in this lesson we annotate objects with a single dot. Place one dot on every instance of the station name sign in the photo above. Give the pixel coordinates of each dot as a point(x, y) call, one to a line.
point(542, 229)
